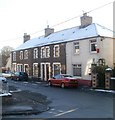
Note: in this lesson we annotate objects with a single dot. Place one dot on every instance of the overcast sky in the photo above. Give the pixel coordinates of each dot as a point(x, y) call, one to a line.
point(32, 16)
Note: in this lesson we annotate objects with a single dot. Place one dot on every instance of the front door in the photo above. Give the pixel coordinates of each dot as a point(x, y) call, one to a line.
point(45, 71)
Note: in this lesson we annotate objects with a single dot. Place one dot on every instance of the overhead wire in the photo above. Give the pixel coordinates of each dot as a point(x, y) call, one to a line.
point(80, 15)
point(100, 7)
point(75, 17)
point(64, 21)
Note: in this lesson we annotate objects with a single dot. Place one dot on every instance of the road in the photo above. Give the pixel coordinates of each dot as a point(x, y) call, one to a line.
point(70, 102)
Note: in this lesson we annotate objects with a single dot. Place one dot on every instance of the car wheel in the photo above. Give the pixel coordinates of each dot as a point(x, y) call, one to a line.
point(49, 83)
point(62, 85)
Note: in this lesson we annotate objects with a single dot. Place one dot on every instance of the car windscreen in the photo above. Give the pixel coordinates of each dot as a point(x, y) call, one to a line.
point(16, 73)
point(23, 73)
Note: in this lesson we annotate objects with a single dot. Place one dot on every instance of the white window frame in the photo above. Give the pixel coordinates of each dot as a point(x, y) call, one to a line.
point(34, 74)
point(42, 52)
point(21, 55)
point(56, 64)
point(91, 43)
point(76, 45)
point(47, 51)
point(14, 68)
point(14, 56)
point(77, 66)
point(19, 67)
point(26, 54)
point(35, 53)
point(55, 51)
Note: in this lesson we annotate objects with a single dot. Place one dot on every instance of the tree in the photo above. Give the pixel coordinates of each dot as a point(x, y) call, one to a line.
point(5, 54)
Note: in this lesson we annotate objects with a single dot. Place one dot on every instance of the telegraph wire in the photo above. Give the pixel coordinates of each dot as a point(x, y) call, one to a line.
point(100, 7)
point(83, 13)
point(11, 39)
point(75, 17)
point(63, 21)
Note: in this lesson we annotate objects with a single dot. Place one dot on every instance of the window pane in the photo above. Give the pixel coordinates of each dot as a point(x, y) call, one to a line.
point(47, 52)
point(77, 70)
point(35, 70)
point(57, 69)
point(21, 55)
point(93, 47)
point(26, 54)
point(42, 52)
point(56, 51)
point(35, 54)
point(76, 47)
point(14, 56)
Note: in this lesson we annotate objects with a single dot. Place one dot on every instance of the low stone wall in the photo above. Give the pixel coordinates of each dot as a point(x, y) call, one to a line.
point(6, 98)
point(82, 82)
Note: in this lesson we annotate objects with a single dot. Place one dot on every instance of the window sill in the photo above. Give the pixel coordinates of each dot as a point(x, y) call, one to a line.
point(94, 52)
point(76, 53)
point(56, 56)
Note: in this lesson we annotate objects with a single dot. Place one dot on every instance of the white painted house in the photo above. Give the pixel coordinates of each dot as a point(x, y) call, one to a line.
point(90, 45)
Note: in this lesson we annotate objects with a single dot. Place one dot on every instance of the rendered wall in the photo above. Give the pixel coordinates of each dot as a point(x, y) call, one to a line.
point(86, 58)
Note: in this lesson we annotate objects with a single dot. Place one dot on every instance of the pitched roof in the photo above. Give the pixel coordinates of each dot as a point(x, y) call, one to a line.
point(66, 35)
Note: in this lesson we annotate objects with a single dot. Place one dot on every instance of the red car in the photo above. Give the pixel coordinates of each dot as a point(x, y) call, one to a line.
point(63, 80)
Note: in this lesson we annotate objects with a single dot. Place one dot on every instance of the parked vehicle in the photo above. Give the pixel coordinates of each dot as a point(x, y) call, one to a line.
point(7, 74)
point(20, 76)
point(3, 79)
point(63, 80)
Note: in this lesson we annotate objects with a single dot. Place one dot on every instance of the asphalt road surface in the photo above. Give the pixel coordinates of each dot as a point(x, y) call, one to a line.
point(69, 102)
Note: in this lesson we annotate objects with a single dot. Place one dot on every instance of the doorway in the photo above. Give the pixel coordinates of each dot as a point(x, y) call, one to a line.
point(45, 71)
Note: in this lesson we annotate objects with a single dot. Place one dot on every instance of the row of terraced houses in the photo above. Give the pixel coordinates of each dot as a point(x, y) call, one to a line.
point(71, 51)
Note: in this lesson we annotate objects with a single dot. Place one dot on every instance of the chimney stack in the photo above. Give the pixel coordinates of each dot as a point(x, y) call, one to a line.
point(85, 20)
point(26, 37)
point(48, 31)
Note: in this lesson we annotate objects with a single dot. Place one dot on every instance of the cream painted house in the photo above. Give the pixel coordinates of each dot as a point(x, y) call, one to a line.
point(92, 45)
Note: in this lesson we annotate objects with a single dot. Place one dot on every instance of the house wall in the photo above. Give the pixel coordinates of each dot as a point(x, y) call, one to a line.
point(106, 50)
point(45, 65)
point(114, 52)
point(53, 60)
point(23, 62)
point(86, 58)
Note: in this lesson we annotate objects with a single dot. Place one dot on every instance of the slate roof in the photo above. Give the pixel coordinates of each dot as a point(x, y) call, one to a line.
point(67, 35)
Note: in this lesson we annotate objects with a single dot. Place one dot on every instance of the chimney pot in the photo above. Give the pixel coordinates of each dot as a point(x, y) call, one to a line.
point(26, 37)
point(85, 20)
point(48, 31)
